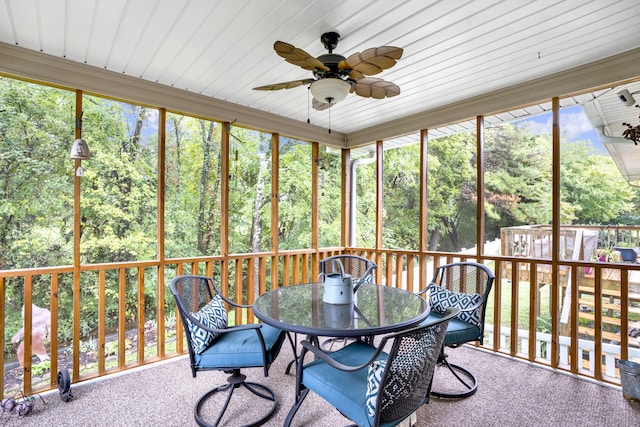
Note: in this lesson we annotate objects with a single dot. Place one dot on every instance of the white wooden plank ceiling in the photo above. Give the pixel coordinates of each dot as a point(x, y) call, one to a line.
point(453, 50)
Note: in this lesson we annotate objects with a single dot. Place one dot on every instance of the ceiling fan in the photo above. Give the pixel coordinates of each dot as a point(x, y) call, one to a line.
point(337, 76)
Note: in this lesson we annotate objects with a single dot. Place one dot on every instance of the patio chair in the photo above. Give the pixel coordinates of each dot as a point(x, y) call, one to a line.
point(464, 285)
point(359, 268)
point(214, 346)
point(368, 385)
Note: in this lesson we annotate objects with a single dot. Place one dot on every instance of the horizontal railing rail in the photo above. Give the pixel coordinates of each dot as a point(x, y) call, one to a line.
point(116, 316)
point(610, 352)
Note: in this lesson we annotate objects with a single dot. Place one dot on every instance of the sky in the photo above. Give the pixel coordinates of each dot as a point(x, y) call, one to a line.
point(574, 125)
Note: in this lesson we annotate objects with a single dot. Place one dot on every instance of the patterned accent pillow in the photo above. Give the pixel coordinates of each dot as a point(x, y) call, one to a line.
point(405, 373)
point(212, 315)
point(442, 298)
point(374, 375)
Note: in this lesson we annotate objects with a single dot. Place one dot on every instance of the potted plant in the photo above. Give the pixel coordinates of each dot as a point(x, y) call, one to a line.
point(628, 251)
point(632, 133)
point(605, 255)
point(609, 254)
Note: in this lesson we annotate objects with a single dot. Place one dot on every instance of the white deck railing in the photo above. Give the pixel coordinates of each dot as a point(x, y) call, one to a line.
point(611, 352)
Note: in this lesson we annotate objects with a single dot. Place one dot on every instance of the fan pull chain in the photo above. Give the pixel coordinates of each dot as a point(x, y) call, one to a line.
point(308, 105)
point(329, 120)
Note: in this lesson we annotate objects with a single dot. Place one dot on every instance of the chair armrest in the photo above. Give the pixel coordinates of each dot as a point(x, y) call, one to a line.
point(473, 307)
point(423, 291)
point(224, 330)
point(227, 300)
point(362, 278)
point(337, 365)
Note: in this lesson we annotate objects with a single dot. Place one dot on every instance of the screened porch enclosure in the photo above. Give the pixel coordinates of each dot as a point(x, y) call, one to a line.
point(172, 188)
point(231, 209)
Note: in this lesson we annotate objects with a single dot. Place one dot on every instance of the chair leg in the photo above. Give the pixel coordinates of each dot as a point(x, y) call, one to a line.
point(234, 381)
point(295, 407)
point(466, 378)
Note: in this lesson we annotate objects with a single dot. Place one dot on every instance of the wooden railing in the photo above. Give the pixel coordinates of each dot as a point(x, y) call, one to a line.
point(114, 325)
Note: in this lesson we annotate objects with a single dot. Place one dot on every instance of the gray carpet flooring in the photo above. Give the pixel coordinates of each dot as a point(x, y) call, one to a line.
point(511, 393)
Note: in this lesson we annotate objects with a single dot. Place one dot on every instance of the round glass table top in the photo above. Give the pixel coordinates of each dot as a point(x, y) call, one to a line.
point(376, 309)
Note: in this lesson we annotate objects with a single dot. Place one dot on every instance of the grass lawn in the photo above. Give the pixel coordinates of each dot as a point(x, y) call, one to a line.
point(524, 308)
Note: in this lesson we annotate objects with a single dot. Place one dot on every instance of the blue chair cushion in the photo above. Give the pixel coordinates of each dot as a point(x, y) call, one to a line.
point(346, 391)
point(458, 331)
point(441, 299)
point(212, 315)
point(240, 349)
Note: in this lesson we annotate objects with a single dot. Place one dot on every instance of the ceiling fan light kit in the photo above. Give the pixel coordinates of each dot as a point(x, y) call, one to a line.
point(330, 90)
point(336, 76)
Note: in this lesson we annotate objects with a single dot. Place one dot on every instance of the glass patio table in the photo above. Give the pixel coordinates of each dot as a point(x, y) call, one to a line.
point(376, 310)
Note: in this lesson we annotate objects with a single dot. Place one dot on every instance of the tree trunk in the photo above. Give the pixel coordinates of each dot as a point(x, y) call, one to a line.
point(204, 179)
point(178, 135)
point(433, 239)
point(255, 244)
point(256, 223)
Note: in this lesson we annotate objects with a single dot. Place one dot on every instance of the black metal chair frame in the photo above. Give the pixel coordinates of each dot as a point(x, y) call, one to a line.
point(360, 268)
point(236, 379)
point(399, 347)
point(485, 278)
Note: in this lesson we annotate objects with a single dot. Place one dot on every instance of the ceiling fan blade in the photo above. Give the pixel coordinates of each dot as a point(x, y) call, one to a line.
point(285, 85)
point(371, 61)
point(298, 56)
point(317, 105)
point(371, 87)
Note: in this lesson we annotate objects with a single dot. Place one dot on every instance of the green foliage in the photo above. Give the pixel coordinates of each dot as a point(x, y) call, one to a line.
point(518, 178)
point(250, 192)
point(451, 187)
point(365, 203)
point(329, 199)
point(294, 195)
point(543, 325)
point(41, 368)
point(36, 128)
point(401, 197)
point(119, 189)
point(592, 186)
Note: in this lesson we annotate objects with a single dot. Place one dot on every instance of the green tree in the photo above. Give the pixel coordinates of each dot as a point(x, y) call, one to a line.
point(294, 198)
point(36, 184)
point(450, 187)
point(517, 178)
point(330, 197)
point(401, 197)
point(119, 189)
point(250, 191)
point(593, 190)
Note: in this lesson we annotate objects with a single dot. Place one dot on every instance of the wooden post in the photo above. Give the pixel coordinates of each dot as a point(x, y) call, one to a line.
point(346, 197)
point(162, 144)
point(275, 196)
point(424, 202)
point(480, 186)
point(315, 208)
point(76, 246)
point(555, 102)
